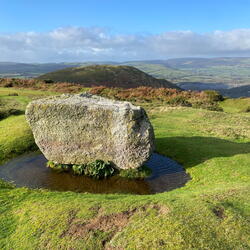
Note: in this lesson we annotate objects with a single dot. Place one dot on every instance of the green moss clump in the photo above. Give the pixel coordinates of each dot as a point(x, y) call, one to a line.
point(78, 169)
point(98, 169)
point(138, 173)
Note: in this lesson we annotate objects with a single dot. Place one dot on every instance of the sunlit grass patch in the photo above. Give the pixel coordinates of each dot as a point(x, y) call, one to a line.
point(236, 105)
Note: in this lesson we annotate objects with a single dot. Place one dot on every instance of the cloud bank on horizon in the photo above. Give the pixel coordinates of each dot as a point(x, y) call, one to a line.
point(69, 44)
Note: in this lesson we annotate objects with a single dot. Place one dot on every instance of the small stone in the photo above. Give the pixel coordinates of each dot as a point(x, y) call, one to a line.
point(79, 129)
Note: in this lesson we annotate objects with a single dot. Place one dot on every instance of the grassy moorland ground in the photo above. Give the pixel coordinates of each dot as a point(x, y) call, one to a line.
point(236, 105)
point(211, 212)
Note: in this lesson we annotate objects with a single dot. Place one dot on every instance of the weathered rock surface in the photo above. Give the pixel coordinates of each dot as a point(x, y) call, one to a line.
point(78, 129)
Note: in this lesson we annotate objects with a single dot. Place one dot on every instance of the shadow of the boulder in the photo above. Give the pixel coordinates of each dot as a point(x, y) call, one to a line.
point(191, 151)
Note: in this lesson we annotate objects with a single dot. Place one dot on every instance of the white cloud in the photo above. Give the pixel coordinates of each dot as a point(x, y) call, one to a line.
point(84, 44)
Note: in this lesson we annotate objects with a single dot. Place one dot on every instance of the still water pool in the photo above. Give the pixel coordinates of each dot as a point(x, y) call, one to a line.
point(30, 171)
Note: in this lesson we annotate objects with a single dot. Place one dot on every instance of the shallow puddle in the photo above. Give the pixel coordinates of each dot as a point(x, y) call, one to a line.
point(30, 171)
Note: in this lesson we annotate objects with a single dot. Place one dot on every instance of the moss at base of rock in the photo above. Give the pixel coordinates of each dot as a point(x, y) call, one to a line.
point(100, 169)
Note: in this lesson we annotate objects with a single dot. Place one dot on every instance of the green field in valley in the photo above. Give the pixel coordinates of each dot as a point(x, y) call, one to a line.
point(211, 212)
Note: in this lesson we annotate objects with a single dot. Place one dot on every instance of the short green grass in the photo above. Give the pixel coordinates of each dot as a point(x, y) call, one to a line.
point(22, 99)
point(211, 212)
point(235, 105)
point(15, 137)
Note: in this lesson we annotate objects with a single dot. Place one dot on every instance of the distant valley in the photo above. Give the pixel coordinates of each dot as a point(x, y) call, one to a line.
point(188, 73)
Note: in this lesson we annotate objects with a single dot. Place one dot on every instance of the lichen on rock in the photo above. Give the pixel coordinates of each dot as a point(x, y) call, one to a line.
point(81, 128)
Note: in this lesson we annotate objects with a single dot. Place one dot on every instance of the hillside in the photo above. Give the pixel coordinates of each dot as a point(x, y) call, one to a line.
point(106, 75)
point(243, 91)
point(199, 86)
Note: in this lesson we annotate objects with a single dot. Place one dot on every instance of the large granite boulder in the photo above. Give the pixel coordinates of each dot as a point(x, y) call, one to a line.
point(78, 129)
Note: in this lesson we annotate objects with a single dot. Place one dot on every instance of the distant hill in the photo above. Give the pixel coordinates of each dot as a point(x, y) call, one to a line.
point(243, 91)
point(107, 75)
point(202, 86)
point(228, 72)
point(10, 69)
point(191, 63)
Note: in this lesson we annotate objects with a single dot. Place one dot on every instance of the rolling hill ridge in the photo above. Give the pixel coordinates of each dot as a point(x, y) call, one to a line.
point(108, 76)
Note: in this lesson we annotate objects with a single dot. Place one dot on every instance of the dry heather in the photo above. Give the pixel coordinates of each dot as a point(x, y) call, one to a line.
point(173, 97)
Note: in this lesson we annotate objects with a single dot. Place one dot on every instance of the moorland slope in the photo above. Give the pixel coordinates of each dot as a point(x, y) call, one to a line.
point(107, 75)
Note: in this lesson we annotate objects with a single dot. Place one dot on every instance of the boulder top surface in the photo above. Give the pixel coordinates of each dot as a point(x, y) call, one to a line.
point(86, 99)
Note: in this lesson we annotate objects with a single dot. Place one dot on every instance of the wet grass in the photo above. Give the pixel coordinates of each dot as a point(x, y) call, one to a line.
point(210, 212)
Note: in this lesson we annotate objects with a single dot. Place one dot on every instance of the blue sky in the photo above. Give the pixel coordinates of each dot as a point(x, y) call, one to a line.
point(55, 31)
point(125, 15)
